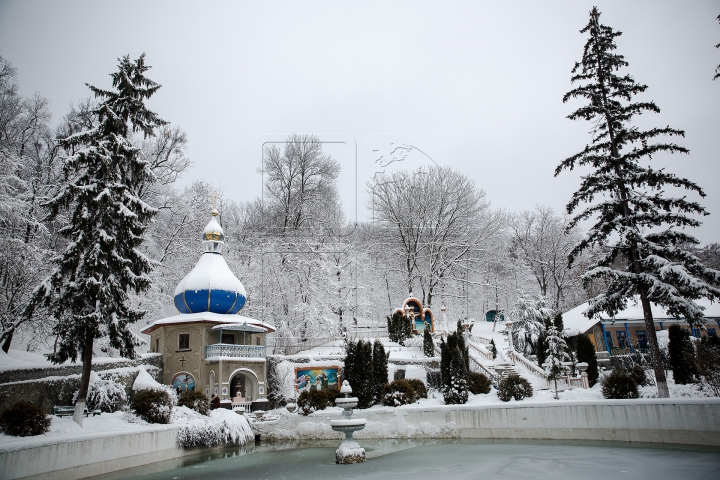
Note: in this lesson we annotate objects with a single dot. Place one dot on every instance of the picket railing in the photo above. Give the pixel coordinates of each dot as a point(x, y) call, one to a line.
point(566, 381)
point(534, 369)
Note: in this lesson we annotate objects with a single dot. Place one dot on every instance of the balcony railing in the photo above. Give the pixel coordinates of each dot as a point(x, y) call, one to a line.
point(226, 350)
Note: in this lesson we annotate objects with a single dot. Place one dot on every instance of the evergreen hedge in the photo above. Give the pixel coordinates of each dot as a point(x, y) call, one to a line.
point(586, 353)
point(619, 385)
point(682, 355)
point(153, 406)
point(24, 419)
point(419, 387)
point(514, 386)
point(399, 392)
point(195, 400)
point(312, 401)
point(478, 383)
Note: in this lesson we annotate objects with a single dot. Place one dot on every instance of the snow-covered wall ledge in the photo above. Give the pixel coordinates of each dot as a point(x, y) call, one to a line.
point(94, 455)
point(680, 421)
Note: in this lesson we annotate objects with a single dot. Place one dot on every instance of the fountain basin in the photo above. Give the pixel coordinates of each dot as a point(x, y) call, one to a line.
point(352, 422)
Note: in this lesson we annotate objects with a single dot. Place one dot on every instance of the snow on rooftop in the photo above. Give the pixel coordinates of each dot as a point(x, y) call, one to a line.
point(576, 322)
point(213, 227)
point(211, 273)
point(218, 318)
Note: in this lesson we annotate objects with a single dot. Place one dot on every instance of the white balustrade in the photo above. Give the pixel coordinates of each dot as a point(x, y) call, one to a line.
point(226, 350)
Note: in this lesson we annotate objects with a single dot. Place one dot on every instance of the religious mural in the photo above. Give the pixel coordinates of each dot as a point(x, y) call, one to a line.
point(316, 378)
point(183, 381)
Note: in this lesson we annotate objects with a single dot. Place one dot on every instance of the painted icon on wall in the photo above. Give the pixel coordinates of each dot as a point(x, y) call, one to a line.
point(316, 378)
point(261, 390)
point(183, 381)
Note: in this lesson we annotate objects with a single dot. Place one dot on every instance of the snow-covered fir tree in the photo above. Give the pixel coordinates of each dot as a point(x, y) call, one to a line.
point(555, 355)
point(640, 229)
point(428, 343)
point(456, 389)
point(87, 293)
point(380, 369)
point(529, 322)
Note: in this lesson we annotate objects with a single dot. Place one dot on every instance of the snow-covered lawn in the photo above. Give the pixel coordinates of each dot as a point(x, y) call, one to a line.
point(64, 429)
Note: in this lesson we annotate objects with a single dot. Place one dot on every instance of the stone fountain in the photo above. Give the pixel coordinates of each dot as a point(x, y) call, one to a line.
point(349, 450)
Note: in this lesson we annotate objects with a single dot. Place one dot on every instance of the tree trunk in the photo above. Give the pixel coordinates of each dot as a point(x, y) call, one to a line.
point(85, 379)
point(663, 391)
point(8, 340)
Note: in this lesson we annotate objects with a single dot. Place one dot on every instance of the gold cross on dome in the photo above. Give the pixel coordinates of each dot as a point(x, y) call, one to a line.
point(215, 199)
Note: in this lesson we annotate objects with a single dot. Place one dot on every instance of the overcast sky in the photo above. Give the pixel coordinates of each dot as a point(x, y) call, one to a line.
point(474, 85)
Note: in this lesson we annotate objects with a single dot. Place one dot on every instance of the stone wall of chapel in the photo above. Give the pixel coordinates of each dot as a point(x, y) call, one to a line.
point(177, 360)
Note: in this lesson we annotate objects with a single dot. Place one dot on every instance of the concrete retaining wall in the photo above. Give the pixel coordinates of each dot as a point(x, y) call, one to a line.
point(682, 421)
point(49, 391)
point(92, 456)
point(673, 421)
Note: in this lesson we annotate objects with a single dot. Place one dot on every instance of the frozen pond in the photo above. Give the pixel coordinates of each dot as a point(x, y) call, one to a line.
point(442, 460)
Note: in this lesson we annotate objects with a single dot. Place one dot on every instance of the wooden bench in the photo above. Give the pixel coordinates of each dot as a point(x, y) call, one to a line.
point(67, 411)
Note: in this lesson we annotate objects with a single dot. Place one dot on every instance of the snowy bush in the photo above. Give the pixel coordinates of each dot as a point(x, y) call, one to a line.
point(24, 419)
point(221, 426)
point(682, 355)
point(419, 387)
point(514, 386)
point(478, 383)
point(312, 401)
point(399, 392)
point(104, 395)
point(152, 405)
point(332, 395)
point(197, 401)
point(145, 381)
point(638, 374)
point(708, 364)
point(619, 385)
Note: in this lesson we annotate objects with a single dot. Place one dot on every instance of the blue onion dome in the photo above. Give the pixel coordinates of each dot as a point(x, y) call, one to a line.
point(211, 286)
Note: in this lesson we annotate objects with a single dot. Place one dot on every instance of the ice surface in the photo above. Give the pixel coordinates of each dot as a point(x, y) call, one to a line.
point(450, 461)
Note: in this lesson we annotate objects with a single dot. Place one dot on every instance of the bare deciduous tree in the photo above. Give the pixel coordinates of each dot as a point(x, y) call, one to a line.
point(540, 239)
point(300, 188)
point(438, 217)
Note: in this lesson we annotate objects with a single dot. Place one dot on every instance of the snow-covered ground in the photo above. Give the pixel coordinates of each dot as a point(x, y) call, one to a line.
point(64, 429)
point(16, 359)
point(193, 427)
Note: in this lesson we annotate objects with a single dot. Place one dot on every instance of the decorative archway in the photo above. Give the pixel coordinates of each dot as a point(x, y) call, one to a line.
point(420, 316)
point(245, 382)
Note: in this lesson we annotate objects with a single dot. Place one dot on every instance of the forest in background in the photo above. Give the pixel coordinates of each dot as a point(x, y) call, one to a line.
point(434, 234)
